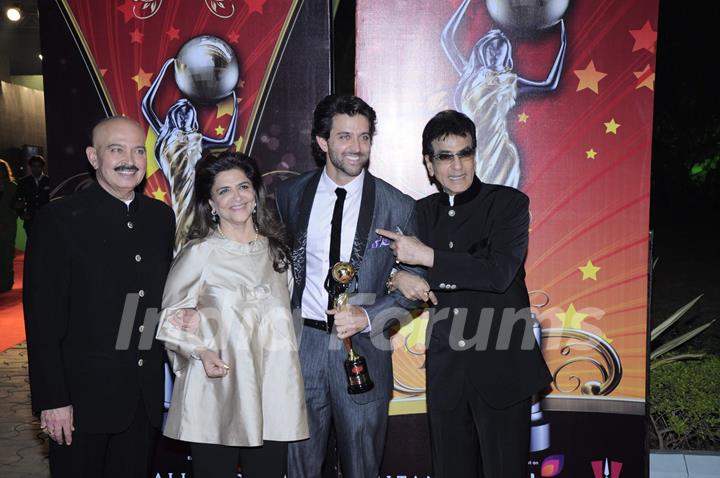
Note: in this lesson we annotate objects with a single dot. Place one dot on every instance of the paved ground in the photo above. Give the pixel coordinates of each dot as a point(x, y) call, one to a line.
point(23, 447)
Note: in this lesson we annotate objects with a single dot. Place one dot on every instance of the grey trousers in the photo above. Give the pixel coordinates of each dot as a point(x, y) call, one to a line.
point(360, 428)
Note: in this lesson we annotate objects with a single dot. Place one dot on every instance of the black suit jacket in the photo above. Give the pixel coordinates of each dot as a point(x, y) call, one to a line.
point(382, 206)
point(31, 196)
point(88, 259)
point(478, 276)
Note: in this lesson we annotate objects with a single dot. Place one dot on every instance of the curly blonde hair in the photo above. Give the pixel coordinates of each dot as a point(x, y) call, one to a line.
point(8, 171)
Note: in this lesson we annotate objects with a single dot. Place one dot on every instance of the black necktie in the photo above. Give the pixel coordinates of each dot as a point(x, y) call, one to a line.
point(335, 239)
point(336, 229)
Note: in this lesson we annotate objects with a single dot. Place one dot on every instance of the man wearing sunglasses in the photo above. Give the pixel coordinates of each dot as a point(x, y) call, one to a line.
point(483, 364)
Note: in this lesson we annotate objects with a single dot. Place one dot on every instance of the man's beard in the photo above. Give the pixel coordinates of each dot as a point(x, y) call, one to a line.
point(354, 170)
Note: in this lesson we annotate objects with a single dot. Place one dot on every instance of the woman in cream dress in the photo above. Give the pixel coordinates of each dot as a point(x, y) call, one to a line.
point(226, 323)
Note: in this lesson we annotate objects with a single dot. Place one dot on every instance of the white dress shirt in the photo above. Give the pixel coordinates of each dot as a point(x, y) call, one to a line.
point(315, 297)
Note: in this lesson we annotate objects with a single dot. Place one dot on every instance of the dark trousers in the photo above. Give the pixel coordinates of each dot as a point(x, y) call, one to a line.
point(474, 440)
point(27, 225)
point(95, 455)
point(219, 461)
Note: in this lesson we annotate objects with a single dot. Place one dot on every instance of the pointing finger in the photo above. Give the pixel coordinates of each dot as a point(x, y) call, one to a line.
point(388, 234)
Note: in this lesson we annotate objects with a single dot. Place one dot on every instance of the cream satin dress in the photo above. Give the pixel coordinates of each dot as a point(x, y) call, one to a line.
point(245, 316)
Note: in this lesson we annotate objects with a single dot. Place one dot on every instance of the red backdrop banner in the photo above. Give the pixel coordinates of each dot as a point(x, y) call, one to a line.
point(564, 113)
point(129, 42)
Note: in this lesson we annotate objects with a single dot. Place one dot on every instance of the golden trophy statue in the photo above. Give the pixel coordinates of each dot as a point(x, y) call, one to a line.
point(355, 367)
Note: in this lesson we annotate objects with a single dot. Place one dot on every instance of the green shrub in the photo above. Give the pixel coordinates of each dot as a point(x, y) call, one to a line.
point(685, 405)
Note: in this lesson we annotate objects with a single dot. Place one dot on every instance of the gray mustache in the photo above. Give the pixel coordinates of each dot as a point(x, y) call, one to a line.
point(123, 167)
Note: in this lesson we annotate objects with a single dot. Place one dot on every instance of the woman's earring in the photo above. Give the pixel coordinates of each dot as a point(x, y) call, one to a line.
point(214, 215)
point(255, 209)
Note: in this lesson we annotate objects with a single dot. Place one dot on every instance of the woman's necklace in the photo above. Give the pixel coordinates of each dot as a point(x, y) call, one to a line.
point(220, 232)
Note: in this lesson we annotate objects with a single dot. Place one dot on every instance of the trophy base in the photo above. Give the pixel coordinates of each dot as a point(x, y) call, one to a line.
point(357, 374)
point(539, 436)
point(354, 390)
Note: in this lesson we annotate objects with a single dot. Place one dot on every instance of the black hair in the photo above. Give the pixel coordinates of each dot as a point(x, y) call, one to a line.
point(263, 217)
point(448, 122)
point(333, 105)
point(37, 159)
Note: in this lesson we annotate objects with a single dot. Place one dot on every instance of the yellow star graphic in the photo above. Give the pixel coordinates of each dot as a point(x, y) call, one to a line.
point(589, 77)
point(571, 319)
point(225, 107)
point(522, 117)
point(589, 271)
point(219, 130)
point(606, 338)
point(611, 126)
point(159, 194)
point(414, 332)
point(590, 153)
point(152, 164)
point(238, 144)
point(646, 78)
point(142, 79)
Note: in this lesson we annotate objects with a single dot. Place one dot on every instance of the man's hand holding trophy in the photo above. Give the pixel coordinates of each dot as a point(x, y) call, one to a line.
point(341, 276)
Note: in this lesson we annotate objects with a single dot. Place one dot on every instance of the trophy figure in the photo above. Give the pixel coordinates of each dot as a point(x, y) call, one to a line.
point(488, 87)
point(539, 427)
point(206, 73)
point(355, 367)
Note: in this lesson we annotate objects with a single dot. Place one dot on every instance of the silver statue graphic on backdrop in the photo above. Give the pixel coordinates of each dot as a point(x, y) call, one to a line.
point(488, 88)
point(206, 72)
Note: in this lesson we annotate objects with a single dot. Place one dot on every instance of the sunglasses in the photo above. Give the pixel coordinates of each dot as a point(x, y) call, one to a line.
point(446, 157)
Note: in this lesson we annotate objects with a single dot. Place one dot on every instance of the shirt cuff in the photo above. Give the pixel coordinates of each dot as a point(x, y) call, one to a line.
point(367, 329)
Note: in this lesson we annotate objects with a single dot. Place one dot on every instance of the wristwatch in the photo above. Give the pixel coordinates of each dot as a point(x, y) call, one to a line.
point(389, 283)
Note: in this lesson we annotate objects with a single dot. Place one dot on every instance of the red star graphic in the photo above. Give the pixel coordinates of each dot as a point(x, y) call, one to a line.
point(173, 33)
point(127, 10)
point(136, 36)
point(646, 78)
point(645, 38)
point(233, 37)
point(255, 6)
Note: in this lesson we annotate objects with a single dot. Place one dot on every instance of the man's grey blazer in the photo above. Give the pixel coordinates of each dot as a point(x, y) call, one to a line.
point(382, 206)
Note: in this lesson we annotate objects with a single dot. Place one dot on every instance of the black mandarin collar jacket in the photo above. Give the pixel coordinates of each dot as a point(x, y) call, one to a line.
point(89, 258)
point(480, 244)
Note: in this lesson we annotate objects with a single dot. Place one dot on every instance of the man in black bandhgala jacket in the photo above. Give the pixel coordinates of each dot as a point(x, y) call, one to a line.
point(483, 363)
point(94, 276)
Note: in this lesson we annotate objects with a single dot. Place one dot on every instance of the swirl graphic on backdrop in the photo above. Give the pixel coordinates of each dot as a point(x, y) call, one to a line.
point(144, 9)
point(488, 88)
point(583, 349)
point(206, 72)
point(217, 6)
